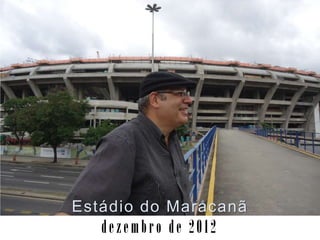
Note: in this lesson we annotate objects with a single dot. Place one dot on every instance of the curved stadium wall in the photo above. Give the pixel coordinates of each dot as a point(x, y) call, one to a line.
point(228, 93)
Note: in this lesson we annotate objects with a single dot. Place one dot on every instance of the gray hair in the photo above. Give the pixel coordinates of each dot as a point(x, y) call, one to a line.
point(143, 103)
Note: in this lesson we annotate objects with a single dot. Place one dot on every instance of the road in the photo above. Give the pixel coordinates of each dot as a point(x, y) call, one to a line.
point(19, 205)
point(39, 178)
point(34, 189)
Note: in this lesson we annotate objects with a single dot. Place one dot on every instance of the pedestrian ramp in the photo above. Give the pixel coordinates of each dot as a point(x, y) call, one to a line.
point(253, 176)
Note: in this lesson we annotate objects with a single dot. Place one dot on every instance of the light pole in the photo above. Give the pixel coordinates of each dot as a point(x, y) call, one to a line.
point(152, 9)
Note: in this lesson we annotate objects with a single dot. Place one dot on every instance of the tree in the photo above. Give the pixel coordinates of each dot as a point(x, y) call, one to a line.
point(19, 116)
point(183, 131)
point(56, 119)
point(94, 134)
point(266, 125)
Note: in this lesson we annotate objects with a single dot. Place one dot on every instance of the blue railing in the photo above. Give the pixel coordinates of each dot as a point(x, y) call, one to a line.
point(197, 157)
point(307, 141)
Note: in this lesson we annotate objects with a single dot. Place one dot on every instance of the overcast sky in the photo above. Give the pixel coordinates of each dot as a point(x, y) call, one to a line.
point(277, 32)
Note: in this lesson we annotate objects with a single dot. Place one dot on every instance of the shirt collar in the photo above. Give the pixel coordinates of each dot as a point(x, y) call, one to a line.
point(153, 128)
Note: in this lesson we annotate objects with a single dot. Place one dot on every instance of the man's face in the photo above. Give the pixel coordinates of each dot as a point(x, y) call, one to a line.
point(174, 107)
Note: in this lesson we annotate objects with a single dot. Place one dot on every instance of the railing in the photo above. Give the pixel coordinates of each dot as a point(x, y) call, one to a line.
point(197, 157)
point(307, 141)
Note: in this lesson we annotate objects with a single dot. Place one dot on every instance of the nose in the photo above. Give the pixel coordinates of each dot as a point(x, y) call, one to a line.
point(188, 100)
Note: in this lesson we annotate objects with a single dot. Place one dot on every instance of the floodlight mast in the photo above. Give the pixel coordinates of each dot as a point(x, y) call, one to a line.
point(152, 9)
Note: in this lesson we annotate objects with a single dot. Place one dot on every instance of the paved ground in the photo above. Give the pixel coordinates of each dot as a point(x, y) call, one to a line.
point(272, 179)
point(41, 160)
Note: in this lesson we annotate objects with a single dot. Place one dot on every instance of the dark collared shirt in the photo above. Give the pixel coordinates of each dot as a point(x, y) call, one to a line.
point(133, 172)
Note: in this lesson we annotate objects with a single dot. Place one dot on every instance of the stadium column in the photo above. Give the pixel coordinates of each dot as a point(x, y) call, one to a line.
point(34, 87)
point(8, 91)
point(310, 112)
point(235, 97)
point(290, 109)
point(196, 100)
point(155, 67)
point(68, 83)
point(111, 87)
point(268, 98)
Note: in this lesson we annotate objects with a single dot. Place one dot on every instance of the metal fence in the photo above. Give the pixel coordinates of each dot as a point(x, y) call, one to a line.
point(198, 157)
point(307, 141)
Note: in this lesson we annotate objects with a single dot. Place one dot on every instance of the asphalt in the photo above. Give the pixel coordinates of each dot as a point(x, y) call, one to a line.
point(39, 161)
point(269, 178)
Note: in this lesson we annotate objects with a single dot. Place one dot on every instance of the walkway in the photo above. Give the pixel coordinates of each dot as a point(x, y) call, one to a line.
point(272, 179)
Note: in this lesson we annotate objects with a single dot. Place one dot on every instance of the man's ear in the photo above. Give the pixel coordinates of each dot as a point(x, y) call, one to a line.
point(154, 100)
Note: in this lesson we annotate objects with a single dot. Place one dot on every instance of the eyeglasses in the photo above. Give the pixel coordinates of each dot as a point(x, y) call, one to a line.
point(182, 94)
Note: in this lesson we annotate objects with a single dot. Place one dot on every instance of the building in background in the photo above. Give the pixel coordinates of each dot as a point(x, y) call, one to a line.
point(228, 93)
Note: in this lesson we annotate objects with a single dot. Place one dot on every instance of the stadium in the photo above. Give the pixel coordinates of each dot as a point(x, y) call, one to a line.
point(228, 93)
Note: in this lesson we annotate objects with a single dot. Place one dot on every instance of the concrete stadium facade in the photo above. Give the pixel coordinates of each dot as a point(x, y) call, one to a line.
point(228, 93)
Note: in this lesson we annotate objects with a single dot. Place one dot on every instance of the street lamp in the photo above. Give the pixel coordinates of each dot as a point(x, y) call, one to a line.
point(152, 9)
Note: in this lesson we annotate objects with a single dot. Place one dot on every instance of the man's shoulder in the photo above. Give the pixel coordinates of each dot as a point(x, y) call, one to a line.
point(128, 129)
point(123, 135)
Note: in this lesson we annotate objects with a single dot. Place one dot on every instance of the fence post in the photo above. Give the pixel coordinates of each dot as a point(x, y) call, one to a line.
point(313, 143)
point(297, 140)
point(195, 174)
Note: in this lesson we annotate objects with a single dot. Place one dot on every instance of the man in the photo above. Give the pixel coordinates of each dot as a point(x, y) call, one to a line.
point(139, 168)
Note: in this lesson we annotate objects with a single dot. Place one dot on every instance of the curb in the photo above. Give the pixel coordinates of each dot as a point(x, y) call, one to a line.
point(27, 193)
point(210, 198)
point(68, 164)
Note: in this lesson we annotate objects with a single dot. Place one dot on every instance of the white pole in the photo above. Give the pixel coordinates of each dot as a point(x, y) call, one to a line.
point(152, 60)
point(152, 9)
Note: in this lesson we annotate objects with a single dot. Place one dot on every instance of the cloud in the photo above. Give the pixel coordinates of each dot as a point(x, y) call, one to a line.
point(284, 33)
point(253, 31)
point(44, 33)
